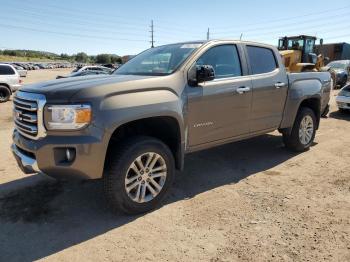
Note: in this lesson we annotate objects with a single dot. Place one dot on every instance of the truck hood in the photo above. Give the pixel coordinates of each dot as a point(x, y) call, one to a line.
point(64, 89)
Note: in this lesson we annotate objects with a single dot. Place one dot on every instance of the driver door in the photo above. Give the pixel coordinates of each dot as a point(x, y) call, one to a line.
point(220, 109)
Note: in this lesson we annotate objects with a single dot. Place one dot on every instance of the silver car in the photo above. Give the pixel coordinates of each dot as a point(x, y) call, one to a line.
point(343, 98)
point(9, 81)
point(21, 71)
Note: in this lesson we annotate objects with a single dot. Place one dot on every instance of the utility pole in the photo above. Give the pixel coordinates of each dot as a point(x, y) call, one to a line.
point(152, 34)
point(240, 38)
point(208, 34)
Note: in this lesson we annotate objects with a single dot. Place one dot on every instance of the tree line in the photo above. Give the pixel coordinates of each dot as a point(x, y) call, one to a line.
point(79, 57)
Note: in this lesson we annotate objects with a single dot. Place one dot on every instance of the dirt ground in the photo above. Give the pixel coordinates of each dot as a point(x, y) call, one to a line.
point(247, 201)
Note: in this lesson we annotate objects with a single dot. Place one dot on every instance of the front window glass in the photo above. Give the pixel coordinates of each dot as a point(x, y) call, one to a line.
point(162, 60)
point(224, 59)
point(295, 44)
point(309, 46)
point(339, 65)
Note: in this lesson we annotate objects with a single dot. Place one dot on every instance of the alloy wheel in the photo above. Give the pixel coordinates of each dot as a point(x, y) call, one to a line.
point(306, 130)
point(145, 177)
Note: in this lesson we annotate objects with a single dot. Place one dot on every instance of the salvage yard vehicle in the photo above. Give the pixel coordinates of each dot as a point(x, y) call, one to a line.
point(134, 127)
point(341, 69)
point(92, 68)
point(21, 71)
point(343, 98)
point(9, 82)
point(85, 73)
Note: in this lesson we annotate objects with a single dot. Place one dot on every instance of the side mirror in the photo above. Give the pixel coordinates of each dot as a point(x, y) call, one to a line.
point(205, 73)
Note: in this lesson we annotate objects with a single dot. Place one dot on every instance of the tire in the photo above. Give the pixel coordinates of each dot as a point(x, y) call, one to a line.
point(325, 112)
point(5, 94)
point(344, 81)
point(118, 170)
point(296, 142)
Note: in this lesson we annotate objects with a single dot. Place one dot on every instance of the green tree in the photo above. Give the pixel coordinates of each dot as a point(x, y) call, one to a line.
point(81, 57)
point(64, 56)
point(115, 59)
point(103, 59)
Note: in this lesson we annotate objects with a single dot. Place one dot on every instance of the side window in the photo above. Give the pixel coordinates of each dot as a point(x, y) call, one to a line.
point(224, 59)
point(262, 60)
point(6, 70)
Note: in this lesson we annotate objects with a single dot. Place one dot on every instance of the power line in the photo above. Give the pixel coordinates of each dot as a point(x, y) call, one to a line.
point(282, 26)
point(288, 18)
point(69, 34)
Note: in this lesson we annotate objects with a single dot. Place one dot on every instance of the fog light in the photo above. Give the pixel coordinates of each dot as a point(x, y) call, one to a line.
point(70, 154)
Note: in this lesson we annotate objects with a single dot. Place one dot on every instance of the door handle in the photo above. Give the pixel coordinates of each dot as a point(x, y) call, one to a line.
point(243, 89)
point(280, 84)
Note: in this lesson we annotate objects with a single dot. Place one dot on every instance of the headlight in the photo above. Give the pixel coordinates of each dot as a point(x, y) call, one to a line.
point(69, 117)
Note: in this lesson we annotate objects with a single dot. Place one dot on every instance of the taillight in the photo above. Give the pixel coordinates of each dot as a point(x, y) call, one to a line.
point(20, 81)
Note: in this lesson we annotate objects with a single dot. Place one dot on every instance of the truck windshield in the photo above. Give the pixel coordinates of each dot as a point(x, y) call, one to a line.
point(158, 61)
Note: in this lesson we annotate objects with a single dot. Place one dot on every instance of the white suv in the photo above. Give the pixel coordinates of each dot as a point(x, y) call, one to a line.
point(9, 81)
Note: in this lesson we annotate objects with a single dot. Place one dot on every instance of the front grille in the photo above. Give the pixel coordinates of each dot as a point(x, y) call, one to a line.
point(27, 112)
point(26, 115)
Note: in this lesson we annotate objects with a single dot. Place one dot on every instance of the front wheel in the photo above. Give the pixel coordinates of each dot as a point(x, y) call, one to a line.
point(303, 131)
point(139, 174)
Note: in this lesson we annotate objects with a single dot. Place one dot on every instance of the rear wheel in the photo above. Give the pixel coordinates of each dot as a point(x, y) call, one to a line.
point(303, 131)
point(4, 94)
point(344, 81)
point(139, 174)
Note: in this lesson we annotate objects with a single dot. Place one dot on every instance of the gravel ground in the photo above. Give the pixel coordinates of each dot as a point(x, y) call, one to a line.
point(247, 201)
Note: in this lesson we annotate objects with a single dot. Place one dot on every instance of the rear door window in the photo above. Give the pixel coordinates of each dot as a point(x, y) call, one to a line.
point(6, 70)
point(262, 60)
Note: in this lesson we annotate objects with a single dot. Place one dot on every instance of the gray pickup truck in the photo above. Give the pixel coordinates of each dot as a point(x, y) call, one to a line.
point(133, 128)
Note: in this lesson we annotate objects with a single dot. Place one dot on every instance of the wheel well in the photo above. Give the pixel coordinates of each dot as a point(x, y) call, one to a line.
point(165, 129)
point(7, 86)
point(315, 105)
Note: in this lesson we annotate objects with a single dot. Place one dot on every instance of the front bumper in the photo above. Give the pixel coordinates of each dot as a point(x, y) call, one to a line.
point(27, 163)
point(343, 102)
point(45, 155)
point(15, 87)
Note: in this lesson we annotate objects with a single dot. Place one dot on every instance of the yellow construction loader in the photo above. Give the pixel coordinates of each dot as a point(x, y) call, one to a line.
point(299, 53)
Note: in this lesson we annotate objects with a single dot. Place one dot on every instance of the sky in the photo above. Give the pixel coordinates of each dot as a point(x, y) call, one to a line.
point(123, 27)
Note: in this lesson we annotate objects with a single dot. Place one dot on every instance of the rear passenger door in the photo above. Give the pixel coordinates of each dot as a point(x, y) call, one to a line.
point(270, 85)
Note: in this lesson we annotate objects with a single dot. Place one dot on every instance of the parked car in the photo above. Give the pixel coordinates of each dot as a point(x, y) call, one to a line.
point(92, 68)
point(343, 98)
point(133, 128)
point(21, 71)
point(342, 70)
point(9, 81)
point(111, 66)
point(85, 73)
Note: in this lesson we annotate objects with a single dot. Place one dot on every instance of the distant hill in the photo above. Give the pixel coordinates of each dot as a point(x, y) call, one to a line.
point(30, 54)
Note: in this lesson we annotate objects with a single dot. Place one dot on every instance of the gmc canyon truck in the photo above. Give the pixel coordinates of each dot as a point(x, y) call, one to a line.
point(133, 128)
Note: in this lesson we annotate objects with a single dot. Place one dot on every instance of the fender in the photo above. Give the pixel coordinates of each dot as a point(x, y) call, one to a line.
point(301, 89)
point(118, 109)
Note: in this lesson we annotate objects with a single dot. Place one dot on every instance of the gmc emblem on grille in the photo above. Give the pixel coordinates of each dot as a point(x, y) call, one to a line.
point(18, 115)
